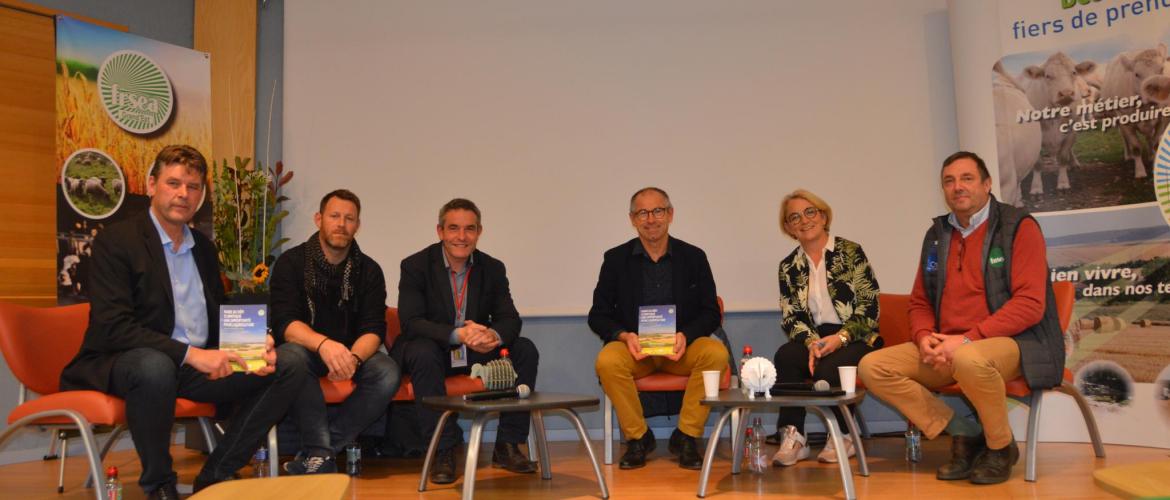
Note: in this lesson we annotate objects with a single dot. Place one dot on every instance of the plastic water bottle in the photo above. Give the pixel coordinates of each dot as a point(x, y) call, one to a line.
point(113, 485)
point(747, 354)
point(759, 460)
point(748, 441)
point(353, 460)
point(260, 462)
point(913, 444)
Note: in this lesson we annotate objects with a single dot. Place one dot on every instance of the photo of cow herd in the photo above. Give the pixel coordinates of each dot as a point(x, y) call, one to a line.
point(1079, 128)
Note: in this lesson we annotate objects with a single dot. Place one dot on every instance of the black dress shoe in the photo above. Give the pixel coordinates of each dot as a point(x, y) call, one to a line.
point(165, 492)
point(508, 456)
point(674, 446)
point(965, 450)
point(688, 453)
point(995, 466)
point(775, 439)
point(636, 451)
point(443, 468)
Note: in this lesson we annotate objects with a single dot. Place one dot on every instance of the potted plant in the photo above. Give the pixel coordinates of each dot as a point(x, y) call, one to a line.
point(246, 215)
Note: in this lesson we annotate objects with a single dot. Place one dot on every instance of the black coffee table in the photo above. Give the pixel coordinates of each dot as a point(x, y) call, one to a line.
point(536, 404)
point(733, 401)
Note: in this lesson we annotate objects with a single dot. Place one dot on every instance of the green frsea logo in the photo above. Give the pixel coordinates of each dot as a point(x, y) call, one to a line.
point(995, 257)
point(1068, 4)
point(135, 92)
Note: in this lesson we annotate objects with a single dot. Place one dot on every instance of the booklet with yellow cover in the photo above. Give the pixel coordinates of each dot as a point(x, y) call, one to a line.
point(243, 329)
point(656, 329)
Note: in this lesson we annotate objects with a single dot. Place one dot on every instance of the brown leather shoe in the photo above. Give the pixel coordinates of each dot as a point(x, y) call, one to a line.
point(508, 456)
point(995, 466)
point(965, 451)
point(443, 468)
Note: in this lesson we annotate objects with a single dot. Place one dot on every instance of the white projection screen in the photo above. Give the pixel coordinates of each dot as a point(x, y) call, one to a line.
point(550, 114)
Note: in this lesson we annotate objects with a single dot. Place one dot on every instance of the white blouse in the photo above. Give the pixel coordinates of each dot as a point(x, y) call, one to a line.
point(820, 303)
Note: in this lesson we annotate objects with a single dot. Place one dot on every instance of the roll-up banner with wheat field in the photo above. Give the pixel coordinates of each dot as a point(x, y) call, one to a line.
point(120, 99)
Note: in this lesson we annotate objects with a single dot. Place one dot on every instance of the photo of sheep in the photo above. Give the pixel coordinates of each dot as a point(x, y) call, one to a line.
point(93, 183)
point(1079, 128)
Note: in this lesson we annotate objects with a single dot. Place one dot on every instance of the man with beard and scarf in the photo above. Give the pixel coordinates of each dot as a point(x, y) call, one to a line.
point(456, 310)
point(329, 300)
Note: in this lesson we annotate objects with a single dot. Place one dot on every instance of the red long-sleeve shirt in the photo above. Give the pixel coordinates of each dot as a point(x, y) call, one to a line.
point(964, 303)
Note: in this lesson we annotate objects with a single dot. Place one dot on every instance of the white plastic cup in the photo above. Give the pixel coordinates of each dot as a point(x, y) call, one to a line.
point(711, 383)
point(848, 376)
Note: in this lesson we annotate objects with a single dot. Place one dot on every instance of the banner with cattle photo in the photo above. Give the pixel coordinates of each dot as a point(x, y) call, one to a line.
point(1080, 101)
point(120, 99)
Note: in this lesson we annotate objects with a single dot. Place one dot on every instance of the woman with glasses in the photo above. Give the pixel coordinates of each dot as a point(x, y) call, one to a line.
point(829, 308)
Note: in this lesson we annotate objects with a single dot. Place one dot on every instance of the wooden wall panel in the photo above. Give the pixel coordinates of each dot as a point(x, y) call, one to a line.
point(28, 214)
point(227, 30)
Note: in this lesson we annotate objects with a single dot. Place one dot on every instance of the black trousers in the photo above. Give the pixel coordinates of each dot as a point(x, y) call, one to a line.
point(429, 364)
point(376, 381)
point(791, 362)
point(150, 381)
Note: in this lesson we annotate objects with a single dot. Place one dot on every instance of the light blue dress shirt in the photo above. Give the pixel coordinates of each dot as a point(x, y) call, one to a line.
point(976, 220)
point(187, 287)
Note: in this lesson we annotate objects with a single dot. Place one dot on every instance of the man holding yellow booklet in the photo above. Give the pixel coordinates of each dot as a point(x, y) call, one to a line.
point(655, 269)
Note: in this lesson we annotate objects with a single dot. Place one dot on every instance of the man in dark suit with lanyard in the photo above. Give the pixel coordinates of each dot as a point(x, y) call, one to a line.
point(456, 310)
point(154, 331)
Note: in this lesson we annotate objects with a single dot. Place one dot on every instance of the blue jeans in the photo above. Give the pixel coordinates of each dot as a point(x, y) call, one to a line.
point(376, 381)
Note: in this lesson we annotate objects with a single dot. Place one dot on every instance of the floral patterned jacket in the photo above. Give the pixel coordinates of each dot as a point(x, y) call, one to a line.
point(852, 286)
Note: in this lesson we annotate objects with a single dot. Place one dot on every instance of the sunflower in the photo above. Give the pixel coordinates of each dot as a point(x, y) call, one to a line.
point(260, 273)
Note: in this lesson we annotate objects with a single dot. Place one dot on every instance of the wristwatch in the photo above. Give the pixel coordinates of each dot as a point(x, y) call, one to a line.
point(844, 339)
point(966, 340)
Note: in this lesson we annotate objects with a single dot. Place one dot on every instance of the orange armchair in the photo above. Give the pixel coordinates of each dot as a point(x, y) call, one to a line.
point(37, 343)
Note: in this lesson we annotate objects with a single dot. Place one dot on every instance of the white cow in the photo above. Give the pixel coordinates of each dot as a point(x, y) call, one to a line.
point(1057, 83)
point(1019, 143)
point(1125, 76)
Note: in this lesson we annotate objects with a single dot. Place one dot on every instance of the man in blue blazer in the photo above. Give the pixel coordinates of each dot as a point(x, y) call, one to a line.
point(456, 309)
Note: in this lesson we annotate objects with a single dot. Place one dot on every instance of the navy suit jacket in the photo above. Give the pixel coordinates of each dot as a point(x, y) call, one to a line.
point(426, 306)
point(131, 301)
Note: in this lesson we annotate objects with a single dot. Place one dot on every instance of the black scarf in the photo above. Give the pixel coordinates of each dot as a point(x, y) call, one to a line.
point(318, 273)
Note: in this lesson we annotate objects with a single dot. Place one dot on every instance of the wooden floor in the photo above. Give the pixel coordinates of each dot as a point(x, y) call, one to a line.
point(1065, 471)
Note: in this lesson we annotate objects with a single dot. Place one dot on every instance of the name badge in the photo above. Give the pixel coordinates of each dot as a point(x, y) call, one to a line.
point(459, 357)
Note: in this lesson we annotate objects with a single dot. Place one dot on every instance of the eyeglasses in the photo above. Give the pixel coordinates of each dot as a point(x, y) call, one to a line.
point(808, 213)
point(658, 213)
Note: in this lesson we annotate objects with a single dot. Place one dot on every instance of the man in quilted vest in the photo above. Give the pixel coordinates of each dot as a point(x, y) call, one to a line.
point(981, 313)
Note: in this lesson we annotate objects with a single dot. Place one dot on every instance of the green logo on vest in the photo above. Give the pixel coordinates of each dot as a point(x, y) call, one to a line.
point(995, 258)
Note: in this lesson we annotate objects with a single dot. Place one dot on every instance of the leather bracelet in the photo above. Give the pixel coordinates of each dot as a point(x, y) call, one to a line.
point(323, 341)
point(358, 359)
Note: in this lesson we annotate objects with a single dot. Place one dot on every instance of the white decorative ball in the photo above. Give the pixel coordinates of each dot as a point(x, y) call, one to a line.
point(759, 375)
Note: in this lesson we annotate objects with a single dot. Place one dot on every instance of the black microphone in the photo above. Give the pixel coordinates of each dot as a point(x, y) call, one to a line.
point(521, 391)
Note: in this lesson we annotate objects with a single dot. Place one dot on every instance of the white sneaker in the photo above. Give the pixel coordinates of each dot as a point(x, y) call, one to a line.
point(793, 448)
point(829, 454)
